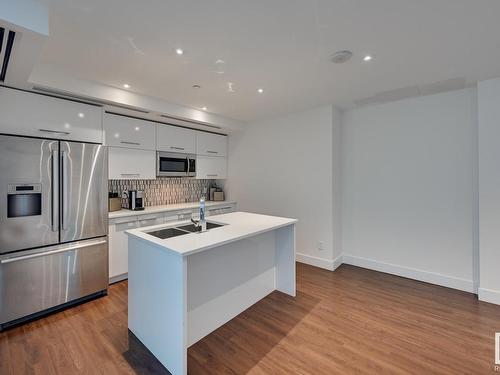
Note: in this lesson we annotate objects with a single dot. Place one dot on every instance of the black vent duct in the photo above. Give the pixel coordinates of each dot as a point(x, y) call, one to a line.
point(6, 43)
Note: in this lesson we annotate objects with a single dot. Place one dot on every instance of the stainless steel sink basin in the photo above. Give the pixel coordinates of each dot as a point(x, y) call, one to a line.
point(181, 230)
point(193, 228)
point(167, 233)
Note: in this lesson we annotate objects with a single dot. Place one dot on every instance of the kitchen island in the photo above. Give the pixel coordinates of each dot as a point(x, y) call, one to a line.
point(185, 286)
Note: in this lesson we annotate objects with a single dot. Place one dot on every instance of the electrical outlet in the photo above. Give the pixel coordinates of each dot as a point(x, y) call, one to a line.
point(321, 246)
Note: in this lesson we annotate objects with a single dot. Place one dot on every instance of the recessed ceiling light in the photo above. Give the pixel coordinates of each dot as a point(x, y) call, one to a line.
point(196, 86)
point(81, 115)
point(179, 51)
point(137, 128)
point(260, 91)
point(204, 108)
point(367, 58)
point(126, 86)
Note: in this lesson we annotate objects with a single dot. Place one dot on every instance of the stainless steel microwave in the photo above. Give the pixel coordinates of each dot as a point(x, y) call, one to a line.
point(170, 164)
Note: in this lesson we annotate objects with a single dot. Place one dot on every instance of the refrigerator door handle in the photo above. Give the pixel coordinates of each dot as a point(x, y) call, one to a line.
point(64, 187)
point(37, 255)
point(55, 191)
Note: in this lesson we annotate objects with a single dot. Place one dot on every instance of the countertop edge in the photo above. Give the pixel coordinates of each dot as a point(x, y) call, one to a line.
point(238, 238)
point(126, 213)
point(137, 233)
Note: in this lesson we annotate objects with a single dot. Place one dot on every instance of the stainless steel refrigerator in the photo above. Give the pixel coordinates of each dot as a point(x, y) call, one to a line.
point(53, 225)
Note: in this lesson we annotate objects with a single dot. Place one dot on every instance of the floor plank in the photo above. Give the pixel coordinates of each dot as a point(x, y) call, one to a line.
point(351, 321)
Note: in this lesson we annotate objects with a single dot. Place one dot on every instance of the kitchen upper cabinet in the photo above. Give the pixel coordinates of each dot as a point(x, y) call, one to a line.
point(175, 139)
point(25, 113)
point(211, 144)
point(121, 131)
point(211, 167)
point(131, 164)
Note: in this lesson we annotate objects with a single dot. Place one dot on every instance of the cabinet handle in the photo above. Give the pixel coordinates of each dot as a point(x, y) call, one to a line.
point(54, 131)
point(212, 175)
point(51, 252)
point(176, 148)
point(130, 174)
point(212, 152)
point(130, 143)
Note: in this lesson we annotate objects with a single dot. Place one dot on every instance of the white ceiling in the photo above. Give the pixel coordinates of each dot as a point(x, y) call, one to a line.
point(282, 46)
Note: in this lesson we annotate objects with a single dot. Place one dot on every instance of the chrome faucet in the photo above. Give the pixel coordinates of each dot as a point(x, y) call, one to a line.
point(201, 225)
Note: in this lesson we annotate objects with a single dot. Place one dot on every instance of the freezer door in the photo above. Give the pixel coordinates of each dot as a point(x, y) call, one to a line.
point(84, 191)
point(29, 195)
point(36, 280)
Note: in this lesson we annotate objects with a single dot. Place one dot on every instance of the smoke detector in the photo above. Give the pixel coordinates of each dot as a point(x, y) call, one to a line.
point(341, 57)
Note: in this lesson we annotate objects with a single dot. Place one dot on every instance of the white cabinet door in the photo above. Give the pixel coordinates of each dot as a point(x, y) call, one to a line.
point(24, 113)
point(175, 139)
point(211, 167)
point(121, 131)
point(118, 249)
point(211, 144)
point(118, 242)
point(130, 164)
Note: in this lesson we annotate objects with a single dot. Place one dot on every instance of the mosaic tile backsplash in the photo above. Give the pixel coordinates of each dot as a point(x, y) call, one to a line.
point(163, 190)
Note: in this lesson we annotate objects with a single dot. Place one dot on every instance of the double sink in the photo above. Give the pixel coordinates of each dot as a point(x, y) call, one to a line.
point(181, 230)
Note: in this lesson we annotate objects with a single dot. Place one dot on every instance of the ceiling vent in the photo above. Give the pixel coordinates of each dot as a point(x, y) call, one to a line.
point(78, 98)
point(6, 42)
point(201, 123)
point(115, 107)
point(413, 91)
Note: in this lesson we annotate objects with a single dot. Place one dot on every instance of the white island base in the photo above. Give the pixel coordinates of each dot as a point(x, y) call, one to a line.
point(180, 289)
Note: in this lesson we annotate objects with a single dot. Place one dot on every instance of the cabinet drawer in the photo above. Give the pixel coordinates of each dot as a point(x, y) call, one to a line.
point(122, 227)
point(175, 139)
point(123, 220)
point(211, 144)
point(152, 221)
point(129, 164)
point(121, 131)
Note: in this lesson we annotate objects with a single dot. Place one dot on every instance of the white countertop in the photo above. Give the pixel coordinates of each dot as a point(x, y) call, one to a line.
point(165, 208)
point(240, 225)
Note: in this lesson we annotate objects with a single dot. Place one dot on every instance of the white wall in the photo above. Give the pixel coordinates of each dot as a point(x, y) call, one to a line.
point(284, 167)
point(489, 189)
point(408, 189)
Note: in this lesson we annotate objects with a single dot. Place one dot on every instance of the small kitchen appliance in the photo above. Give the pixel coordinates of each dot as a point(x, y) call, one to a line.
point(136, 200)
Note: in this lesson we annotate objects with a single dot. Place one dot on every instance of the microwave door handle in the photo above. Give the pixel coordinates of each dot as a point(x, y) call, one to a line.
point(188, 168)
point(55, 191)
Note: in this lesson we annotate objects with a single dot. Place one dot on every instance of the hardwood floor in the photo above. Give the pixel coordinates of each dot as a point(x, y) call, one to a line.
point(351, 321)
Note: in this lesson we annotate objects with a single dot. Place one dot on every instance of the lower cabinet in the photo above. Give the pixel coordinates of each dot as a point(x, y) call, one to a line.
point(118, 250)
point(219, 210)
point(118, 240)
